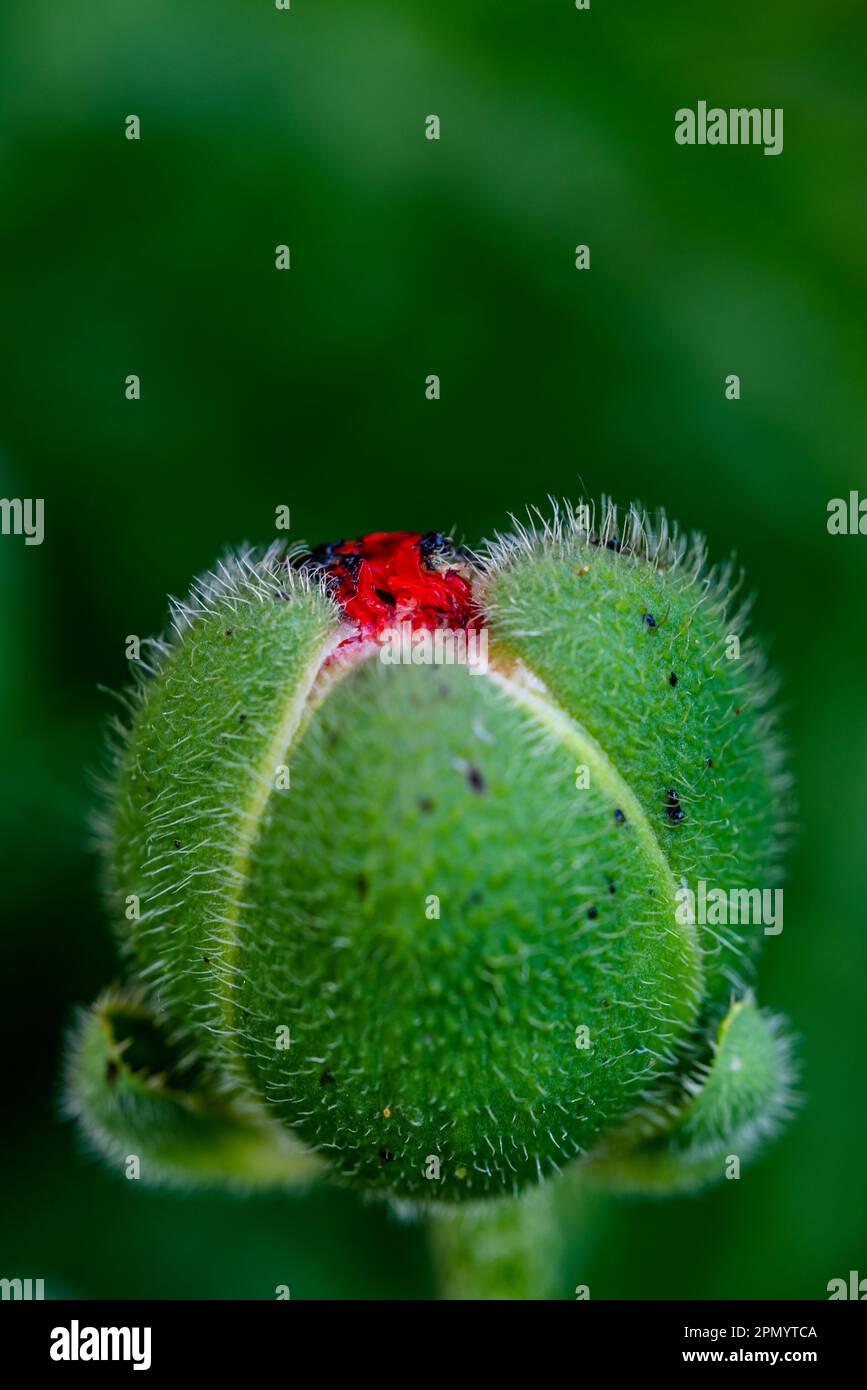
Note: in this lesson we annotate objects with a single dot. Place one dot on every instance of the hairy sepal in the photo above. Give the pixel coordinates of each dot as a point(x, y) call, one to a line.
point(151, 1112)
point(726, 1110)
point(632, 635)
point(438, 912)
point(210, 736)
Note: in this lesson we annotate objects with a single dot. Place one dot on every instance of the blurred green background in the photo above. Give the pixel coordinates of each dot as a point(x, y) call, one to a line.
point(306, 389)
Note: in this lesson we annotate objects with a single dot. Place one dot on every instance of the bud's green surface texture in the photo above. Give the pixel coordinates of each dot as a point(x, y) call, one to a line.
point(397, 907)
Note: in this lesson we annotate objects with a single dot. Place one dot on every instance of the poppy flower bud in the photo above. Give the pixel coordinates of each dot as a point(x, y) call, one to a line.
point(407, 832)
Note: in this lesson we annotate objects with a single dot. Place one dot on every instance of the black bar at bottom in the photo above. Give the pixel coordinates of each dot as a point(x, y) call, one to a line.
point(258, 1338)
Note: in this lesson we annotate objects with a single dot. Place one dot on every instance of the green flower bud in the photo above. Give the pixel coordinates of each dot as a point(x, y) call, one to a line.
point(420, 917)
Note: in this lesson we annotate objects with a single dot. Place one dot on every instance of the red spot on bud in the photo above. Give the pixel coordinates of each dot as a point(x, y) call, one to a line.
point(392, 577)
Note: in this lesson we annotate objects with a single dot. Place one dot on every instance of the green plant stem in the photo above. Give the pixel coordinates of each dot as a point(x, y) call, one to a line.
point(508, 1249)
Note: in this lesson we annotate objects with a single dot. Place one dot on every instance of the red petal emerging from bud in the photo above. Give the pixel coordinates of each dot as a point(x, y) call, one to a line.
point(392, 577)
